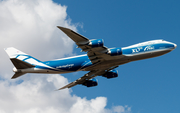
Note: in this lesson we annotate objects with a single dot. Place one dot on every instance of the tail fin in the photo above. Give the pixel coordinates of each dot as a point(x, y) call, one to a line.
point(21, 60)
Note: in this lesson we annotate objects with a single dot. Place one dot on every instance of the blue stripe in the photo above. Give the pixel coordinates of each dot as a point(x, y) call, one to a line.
point(28, 56)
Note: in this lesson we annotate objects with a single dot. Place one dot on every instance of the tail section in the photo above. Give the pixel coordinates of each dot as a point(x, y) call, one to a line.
point(20, 60)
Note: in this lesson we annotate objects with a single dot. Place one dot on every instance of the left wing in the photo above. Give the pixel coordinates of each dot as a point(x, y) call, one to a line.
point(95, 48)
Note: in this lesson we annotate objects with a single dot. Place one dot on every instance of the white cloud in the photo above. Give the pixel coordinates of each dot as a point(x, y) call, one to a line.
point(121, 109)
point(37, 95)
point(93, 106)
point(30, 25)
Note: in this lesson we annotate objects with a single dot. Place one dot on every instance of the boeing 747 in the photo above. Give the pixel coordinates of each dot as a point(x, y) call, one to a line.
point(99, 60)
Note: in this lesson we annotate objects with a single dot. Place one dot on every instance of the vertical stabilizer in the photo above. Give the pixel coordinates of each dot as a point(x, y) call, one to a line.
point(21, 60)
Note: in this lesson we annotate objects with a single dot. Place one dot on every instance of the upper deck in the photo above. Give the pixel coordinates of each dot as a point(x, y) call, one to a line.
point(149, 46)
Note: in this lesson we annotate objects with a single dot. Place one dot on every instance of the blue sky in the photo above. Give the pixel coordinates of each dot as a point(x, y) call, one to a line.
point(147, 86)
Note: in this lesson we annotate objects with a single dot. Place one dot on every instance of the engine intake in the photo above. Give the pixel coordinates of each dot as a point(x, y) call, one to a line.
point(114, 51)
point(90, 83)
point(111, 74)
point(96, 43)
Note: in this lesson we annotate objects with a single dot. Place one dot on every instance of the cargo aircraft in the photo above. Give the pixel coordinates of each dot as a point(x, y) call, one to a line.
point(99, 60)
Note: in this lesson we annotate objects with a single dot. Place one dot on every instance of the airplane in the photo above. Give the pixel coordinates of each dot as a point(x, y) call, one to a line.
point(99, 60)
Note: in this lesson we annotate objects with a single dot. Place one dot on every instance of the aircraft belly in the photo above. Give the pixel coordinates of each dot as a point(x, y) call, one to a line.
point(38, 70)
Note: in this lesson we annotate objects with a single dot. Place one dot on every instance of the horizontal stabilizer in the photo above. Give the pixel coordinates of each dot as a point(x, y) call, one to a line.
point(21, 64)
point(17, 74)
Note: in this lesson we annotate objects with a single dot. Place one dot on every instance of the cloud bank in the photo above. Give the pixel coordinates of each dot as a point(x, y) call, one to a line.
point(30, 25)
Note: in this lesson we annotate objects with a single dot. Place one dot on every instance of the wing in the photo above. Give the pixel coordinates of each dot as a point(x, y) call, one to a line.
point(95, 53)
point(81, 80)
point(87, 76)
point(73, 35)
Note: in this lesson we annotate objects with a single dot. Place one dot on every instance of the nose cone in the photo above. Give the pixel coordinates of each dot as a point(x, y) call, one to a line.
point(175, 46)
point(171, 45)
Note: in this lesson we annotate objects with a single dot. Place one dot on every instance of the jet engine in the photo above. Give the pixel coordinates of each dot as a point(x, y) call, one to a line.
point(90, 83)
point(111, 74)
point(96, 43)
point(114, 51)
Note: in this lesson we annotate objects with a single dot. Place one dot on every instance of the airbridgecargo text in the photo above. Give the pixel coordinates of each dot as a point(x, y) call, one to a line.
point(65, 66)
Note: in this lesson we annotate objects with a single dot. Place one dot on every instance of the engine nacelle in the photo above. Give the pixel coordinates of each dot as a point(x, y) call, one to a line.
point(111, 74)
point(96, 43)
point(90, 83)
point(114, 51)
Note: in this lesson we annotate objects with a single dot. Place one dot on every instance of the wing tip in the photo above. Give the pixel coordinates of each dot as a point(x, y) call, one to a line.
point(60, 89)
point(64, 29)
point(58, 26)
point(61, 27)
point(63, 88)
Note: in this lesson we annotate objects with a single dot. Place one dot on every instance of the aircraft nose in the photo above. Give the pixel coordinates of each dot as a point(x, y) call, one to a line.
point(175, 46)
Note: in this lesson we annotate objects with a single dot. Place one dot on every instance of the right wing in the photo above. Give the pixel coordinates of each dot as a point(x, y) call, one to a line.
point(87, 76)
point(81, 80)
